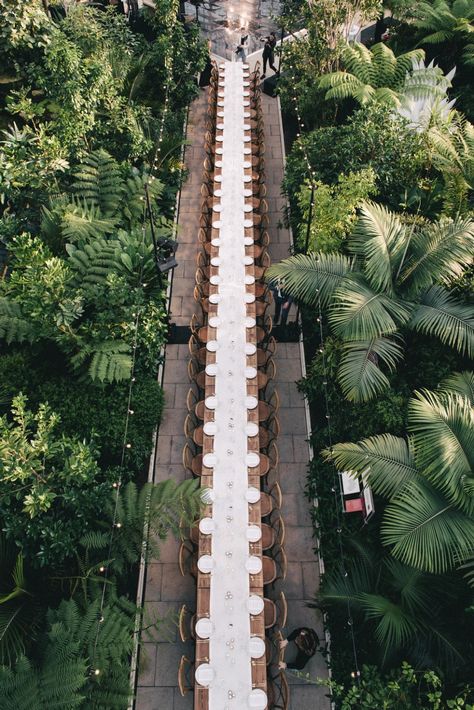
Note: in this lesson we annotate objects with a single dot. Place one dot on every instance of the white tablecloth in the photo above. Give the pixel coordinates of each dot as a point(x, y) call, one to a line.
point(229, 643)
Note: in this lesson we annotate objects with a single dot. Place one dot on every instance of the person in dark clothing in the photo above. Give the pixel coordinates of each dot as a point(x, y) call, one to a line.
point(269, 53)
point(306, 642)
point(282, 302)
point(205, 76)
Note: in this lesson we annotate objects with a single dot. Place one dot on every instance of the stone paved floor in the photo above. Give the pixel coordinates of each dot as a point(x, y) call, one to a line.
point(165, 589)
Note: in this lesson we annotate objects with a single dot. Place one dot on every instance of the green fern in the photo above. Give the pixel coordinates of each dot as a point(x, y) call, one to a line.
point(83, 220)
point(99, 183)
point(13, 325)
point(93, 262)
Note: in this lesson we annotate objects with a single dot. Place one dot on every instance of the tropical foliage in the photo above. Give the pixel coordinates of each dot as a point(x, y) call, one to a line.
point(389, 280)
point(374, 74)
point(397, 586)
point(447, 22)
point(83, 109)
point(427, 477)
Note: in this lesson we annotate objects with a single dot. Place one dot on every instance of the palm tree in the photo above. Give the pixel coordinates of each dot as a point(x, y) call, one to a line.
point(427, 477)
point(394, 604)
point(374, 74)
point(389, 281)
point(448, 21)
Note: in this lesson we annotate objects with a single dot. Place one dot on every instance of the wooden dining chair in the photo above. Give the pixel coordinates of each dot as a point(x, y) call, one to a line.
point(272, 452)
point(187, 559)
point(268, 536)
point(284, 702)
point(192, 399)
point(269, 613)
point(197, 374)
point(269, 569)
point(186, 624)
point(188, 456)
point(266, 504)
point(281, 562)
point(276, 495)
point(190, 425)
point(282, 610)
point(278, 526)
point(185, 675)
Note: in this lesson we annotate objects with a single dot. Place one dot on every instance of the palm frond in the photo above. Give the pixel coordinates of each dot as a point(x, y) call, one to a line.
point(360, 313)
point(386, 460)
point(395, 627)
point(441, 315)
point(425, 531)
point(359, 374)
point(460, 382)
point(378, 237)
point(438, 252)
point(443, 429)
point(308, 277)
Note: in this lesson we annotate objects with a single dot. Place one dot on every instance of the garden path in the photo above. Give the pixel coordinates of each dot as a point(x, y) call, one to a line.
point(165, 588)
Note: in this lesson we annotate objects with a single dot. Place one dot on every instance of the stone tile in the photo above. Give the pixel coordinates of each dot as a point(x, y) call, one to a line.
point(146, 664)
point(168, 549)
point(180, 394)
point(163, 455)
point(300, 449)
point(177, 446)
point(293, 584)
point(285, 449)
point(158, 698)
point(160, 620)
point(292, 420)
point(291, 372)
point(293, 477)
point(182, 703)
point(174, 471)
point(172, 421)
point(175, 587)
point(168, 656)
point(176, 371)
point(311, 579)
point(283, 389)
point(300, 614)
point(154, 571)
point(309, 696)
point(171, 352)
point(296, 508)
point(299, 543)
point(296, 397)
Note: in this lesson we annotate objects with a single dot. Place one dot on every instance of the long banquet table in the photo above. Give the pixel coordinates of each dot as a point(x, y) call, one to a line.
point(230, 666)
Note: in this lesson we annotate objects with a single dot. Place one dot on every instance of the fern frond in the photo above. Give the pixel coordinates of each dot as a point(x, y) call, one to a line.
point(98, 182)
point(13, 325)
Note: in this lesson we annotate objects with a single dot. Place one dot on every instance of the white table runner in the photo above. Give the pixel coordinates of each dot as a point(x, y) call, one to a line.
point(230, 587)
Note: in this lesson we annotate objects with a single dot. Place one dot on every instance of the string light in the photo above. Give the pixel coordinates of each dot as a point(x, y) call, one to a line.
point(335, 489)
point(126, 445)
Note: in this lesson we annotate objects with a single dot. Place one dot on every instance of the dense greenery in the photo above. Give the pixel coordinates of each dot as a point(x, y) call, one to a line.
point(391, 199)
point(92, 111)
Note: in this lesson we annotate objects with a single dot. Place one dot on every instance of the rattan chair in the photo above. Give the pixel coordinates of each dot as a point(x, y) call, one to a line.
point(185, 675)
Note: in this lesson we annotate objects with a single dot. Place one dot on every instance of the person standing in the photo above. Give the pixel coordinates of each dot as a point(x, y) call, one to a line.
point(282, 302)
point(306, 642)
point(241, 50)
point(269, 53)
point(205, 76)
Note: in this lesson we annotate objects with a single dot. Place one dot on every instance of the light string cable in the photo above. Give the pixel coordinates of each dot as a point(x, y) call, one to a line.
point(126, 445)
point(335, 485)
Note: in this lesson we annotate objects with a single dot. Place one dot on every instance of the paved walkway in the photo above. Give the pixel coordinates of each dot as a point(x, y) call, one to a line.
point(166, 589)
